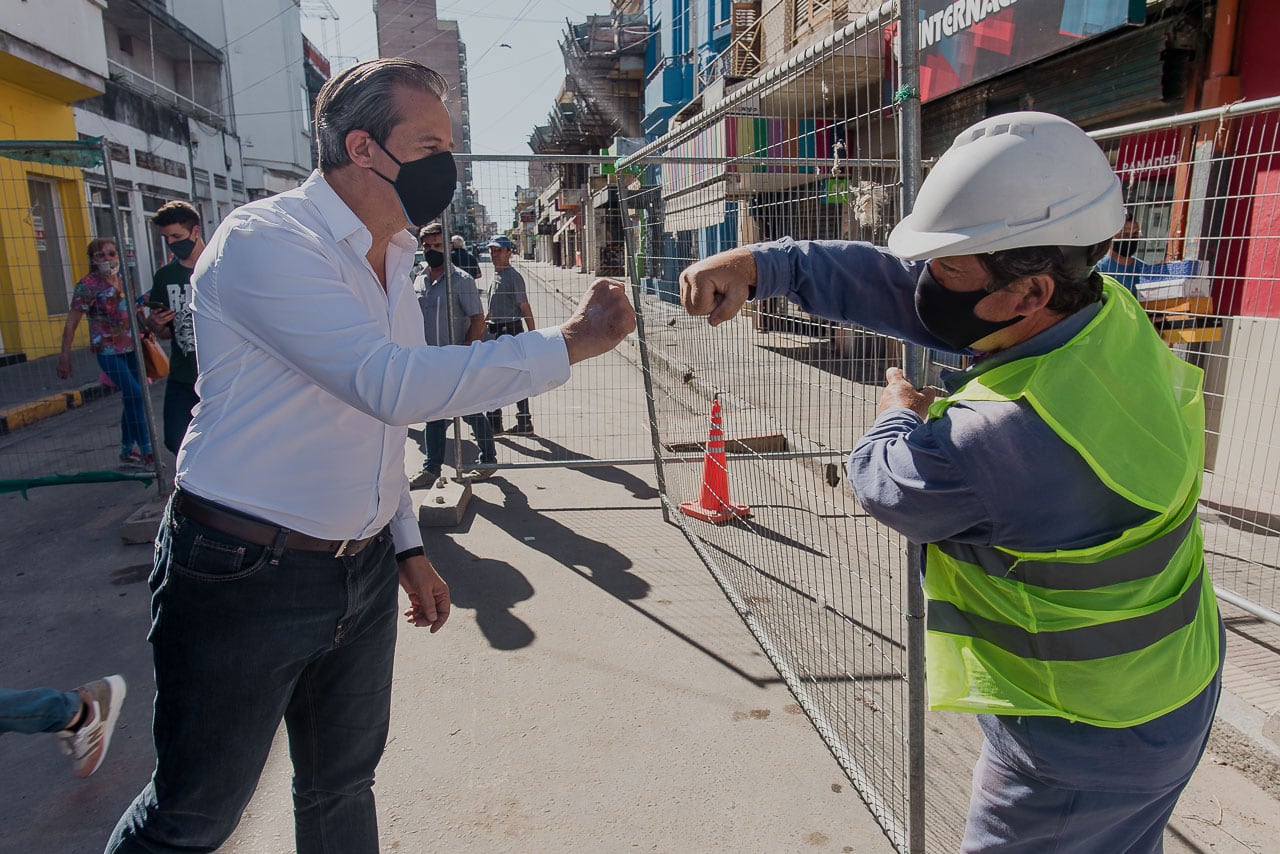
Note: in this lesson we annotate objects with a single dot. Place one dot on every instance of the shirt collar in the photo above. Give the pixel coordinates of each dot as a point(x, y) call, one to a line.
point(1037, 345)
point(342, 221)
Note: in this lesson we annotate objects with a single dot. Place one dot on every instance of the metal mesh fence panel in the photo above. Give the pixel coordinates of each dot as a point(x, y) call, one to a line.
point(1203, 239)
point(64, 420)
point(564, 241)
point(809, 150)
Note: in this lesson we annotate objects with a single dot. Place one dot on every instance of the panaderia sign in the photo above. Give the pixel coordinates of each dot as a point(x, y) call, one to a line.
point(965, 41)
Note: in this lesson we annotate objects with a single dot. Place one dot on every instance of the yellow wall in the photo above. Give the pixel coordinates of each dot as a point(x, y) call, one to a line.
point(25, 322)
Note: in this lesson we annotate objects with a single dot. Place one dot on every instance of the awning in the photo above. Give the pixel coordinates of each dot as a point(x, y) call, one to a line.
point(568, 224)
point(700, 208)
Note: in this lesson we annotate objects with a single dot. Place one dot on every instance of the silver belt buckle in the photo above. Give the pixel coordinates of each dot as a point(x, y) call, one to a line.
point(342, 548)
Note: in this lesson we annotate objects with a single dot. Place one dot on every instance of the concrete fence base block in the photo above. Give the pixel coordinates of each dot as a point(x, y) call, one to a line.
point(444, 504)
point(142, 524)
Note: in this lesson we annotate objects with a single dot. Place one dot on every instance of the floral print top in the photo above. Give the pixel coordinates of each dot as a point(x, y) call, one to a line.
point(108, 315)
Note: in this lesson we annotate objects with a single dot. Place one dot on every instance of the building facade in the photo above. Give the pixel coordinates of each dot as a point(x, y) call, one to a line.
point(269, 95)
point(411, 28)
point(171, 135)
point(51, 56)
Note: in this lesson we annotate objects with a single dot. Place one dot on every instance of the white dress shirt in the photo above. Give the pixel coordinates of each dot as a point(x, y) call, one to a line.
point(310, 372)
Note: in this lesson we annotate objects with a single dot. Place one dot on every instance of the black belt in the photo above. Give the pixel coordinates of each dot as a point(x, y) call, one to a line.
point(260, 533)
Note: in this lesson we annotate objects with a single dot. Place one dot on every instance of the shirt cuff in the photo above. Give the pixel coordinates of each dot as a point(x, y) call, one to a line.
point(548, 358)
point(405, 533)
point(773, 268)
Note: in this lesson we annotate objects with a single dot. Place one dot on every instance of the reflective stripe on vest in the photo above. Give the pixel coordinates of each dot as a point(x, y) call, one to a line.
point(1097, 641)
point(1143, 562)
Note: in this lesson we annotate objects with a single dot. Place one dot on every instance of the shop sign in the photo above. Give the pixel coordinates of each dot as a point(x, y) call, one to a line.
point(965, 41)
point(1150, 155)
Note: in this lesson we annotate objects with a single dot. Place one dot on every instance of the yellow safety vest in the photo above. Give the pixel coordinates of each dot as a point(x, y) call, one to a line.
point(1112, 635)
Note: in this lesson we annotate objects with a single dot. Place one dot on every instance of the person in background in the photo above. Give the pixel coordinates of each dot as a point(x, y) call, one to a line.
point(461, 258)
point(291, 528)
point(509, 314)
point(100, 296)
point(83, 719)
point(170, 300)
point(1121, 261)
point(1055, 484)
point(451, 314)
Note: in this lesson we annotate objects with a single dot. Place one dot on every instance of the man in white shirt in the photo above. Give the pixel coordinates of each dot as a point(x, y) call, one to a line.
point(274, 592)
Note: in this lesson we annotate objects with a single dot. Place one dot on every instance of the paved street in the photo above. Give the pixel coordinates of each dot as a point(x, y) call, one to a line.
point(593, 690)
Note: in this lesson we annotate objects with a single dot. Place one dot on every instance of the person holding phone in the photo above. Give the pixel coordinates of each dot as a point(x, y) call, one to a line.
point(170, 302)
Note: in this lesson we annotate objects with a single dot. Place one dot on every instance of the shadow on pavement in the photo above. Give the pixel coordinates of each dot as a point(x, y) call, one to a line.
point(554, 452)
point(491, 588)
point(605, 566)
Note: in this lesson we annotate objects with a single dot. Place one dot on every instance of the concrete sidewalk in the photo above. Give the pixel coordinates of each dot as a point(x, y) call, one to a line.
point(593, 691)
point(31, 391)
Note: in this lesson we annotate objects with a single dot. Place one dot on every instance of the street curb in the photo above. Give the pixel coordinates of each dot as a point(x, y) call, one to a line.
point(34, 411)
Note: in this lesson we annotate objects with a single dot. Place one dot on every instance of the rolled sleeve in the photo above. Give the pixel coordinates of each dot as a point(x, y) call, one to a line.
point(846, 281)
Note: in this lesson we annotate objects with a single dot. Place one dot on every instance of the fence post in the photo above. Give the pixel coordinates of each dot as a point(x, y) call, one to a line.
point(132, 292)
point(907, 98)
point(629, 246)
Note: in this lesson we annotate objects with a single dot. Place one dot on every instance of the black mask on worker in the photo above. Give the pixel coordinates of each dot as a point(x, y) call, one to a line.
point(1125, 248)
point(425, 186)
point(949, 314)
point(182, 249)
point(434, 258)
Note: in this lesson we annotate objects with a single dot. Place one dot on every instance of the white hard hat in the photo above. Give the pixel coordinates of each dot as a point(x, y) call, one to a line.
point(1013, 180)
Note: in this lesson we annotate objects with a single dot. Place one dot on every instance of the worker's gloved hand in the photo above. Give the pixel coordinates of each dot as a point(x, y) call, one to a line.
point(718, 286)
point(604, 317)
point(900, 394)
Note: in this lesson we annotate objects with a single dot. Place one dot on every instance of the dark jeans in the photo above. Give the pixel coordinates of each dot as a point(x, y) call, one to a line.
point(498, 328)
point(123, 370)
point(179, 399)
point(240, 642)
point(433, 435)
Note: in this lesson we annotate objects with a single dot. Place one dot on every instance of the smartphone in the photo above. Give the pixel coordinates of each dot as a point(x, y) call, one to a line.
point(158, 306)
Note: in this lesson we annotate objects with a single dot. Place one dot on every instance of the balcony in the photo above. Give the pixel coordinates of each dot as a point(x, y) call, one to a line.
point(145, 86)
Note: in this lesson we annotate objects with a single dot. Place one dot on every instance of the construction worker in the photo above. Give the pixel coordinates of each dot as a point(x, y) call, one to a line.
point(1055, 484)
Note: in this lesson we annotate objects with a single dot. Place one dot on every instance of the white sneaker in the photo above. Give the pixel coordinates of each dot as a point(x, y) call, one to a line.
point(87, 744)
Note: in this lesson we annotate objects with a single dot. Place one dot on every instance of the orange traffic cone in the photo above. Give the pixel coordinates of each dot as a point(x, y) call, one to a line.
point(714, 504)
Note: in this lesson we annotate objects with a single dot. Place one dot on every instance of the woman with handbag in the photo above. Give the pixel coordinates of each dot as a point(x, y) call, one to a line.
point(101, 296)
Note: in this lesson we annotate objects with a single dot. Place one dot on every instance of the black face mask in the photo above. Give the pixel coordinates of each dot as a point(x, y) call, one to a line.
point(1125, 248)
point(949, 314)
point(182, 249)
point(425, 186)
point(434, 258)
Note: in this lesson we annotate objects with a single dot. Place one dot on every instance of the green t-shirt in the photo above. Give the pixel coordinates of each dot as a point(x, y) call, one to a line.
point(171, 286)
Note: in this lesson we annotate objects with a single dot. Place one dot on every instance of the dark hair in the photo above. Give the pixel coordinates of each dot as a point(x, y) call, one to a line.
point(1075, 282)
point(176, 213)
point(430, 228)
point(361, 98)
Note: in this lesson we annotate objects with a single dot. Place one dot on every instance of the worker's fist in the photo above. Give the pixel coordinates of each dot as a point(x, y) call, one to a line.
point(604, 317)
point(718, 286)
point(900, 394)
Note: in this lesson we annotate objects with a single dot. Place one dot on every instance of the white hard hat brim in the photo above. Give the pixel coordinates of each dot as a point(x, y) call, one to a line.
point(1091, 221)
